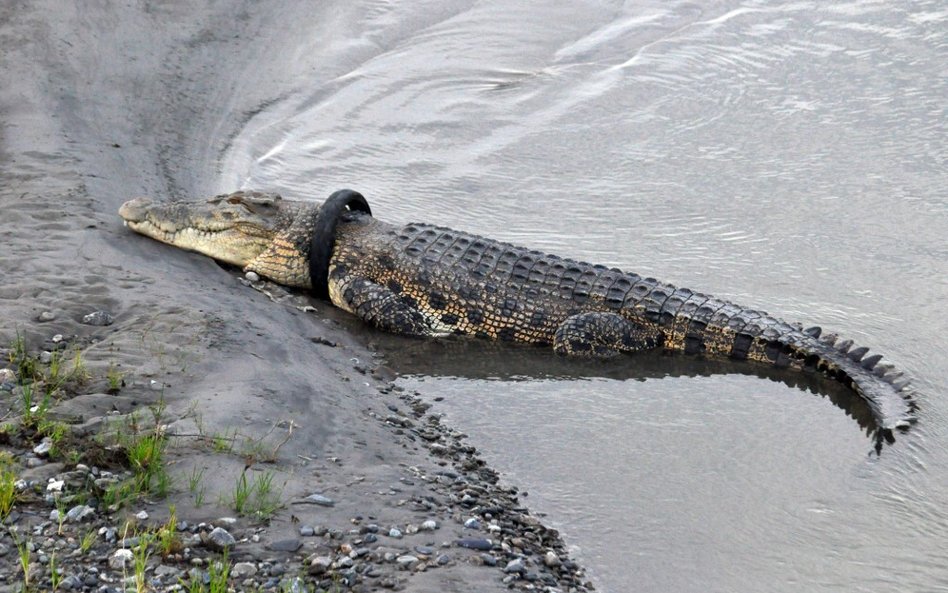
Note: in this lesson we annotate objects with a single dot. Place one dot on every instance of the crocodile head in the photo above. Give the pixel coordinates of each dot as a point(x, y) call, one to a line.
point(235, 228)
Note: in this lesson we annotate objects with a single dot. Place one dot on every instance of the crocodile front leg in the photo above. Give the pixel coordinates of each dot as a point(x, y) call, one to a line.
point(380, 307)
point(602, 335)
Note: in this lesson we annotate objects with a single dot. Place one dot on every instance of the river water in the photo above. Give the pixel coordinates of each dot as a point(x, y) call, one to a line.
point(789, 156)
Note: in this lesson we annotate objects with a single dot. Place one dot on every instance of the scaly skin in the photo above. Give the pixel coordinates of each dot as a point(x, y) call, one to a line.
point(431, 281)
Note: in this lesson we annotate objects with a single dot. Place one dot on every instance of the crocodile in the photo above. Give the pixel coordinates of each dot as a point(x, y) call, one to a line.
point(423, 280)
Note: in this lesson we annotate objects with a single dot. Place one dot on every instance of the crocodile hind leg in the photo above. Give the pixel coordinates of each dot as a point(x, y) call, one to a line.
point(382, 308)
point(603, 334)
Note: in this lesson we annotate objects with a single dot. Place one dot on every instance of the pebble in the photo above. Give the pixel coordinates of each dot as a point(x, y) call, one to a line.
point(472, 523)
point(515, 566)
point(475, 543)
point(120, 558)
point(220, 539)
point(163, 570)
point(429, 525)
point(141, 515)
point(319, 499)
point(79, 513)
point(551, 560)
point(252, 277)
point(319, 565)
point(98, 318)
point(44, 447)
point(406, 562)
point(307, 531)
point(243, 570)
point(46, 316)
point(394, 532)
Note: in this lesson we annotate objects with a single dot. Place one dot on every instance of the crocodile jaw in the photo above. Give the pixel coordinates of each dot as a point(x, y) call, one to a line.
point(222, 230)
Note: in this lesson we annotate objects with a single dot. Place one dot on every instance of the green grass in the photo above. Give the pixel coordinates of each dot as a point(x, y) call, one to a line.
point(218, 573)
point(23, 553)
point(115, 378)
point(8, 493)
point(167, 535)
point(255, 498)
point(141, 555)
point(146, 457)
point(55, 577)
point(195, 485)
point(87, 541)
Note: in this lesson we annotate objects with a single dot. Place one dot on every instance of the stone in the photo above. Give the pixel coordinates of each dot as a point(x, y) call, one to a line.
point(120, 559)
point(551, 560)
point(80, 513)
point(406, 562)
point(243, 570)
point(429, 525)
point(219, 539)
point(489, 559)
point(307, 531)
point(474, 543)
point(472, 523)
point(318, 499)
point(163, 570)
point(515, 566)
point(45, 316)
point(100, 318)
point(395, 533)
point(44, 447)
point(141, 515)
point(319, 565)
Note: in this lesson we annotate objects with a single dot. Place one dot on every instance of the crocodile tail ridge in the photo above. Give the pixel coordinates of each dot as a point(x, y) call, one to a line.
point(889, 394)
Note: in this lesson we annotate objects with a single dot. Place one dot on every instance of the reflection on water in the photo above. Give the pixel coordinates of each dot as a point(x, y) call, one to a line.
point(786, 155)
point(466, 360)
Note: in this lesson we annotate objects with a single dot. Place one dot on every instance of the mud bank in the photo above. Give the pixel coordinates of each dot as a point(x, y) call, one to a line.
point(101, 104)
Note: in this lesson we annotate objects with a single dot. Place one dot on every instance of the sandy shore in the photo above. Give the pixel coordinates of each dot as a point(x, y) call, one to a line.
point(100, 105)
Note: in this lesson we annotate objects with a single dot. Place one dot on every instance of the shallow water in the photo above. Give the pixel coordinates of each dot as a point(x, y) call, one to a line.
point(788, 156)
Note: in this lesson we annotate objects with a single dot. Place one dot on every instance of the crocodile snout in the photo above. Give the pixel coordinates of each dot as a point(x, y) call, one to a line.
point(135, 209)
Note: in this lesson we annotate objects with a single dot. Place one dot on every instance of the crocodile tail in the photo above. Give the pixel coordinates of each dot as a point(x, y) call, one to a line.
point(887, 392)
